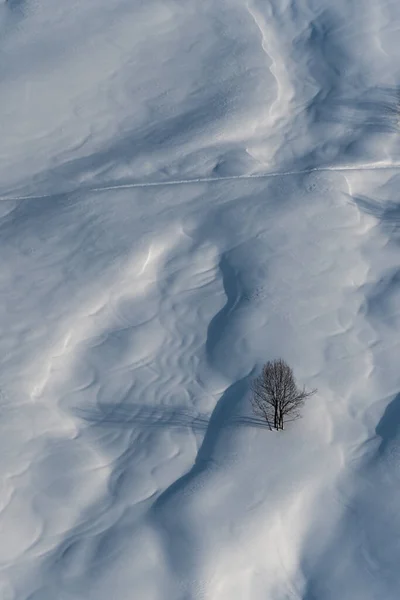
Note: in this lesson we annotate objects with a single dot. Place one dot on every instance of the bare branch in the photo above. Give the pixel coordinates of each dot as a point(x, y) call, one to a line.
point(275, 395)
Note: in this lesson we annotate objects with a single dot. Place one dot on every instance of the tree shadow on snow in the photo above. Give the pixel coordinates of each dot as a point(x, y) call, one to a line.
point(222, 417)
point(158, 417)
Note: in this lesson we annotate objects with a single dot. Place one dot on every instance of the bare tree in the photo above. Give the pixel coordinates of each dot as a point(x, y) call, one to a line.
point(276, 396)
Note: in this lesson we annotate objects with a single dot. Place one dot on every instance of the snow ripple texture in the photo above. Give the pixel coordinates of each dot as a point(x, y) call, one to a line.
point(186, 191)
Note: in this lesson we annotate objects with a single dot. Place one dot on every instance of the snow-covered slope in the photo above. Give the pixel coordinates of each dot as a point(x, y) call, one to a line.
point(189, 189)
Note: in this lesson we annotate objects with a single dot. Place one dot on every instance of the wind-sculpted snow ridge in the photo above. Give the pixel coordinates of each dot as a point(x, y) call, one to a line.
point(188, 190)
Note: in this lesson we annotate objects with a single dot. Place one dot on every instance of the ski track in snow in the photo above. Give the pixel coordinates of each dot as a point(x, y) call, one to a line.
point(145, 184)
point(138, 301)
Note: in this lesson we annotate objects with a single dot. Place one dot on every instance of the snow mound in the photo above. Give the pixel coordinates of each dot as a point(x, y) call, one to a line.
point(186, 191)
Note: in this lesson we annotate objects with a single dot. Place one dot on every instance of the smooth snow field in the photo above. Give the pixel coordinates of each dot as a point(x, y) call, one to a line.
point(187, 190)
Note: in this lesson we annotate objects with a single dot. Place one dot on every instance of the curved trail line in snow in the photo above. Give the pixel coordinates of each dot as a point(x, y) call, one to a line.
point(148, 184)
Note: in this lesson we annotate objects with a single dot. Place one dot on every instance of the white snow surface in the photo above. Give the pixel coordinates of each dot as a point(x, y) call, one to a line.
point(187, 190)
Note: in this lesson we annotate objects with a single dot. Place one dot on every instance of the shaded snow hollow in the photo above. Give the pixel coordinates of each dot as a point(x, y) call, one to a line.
point(189, 189)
